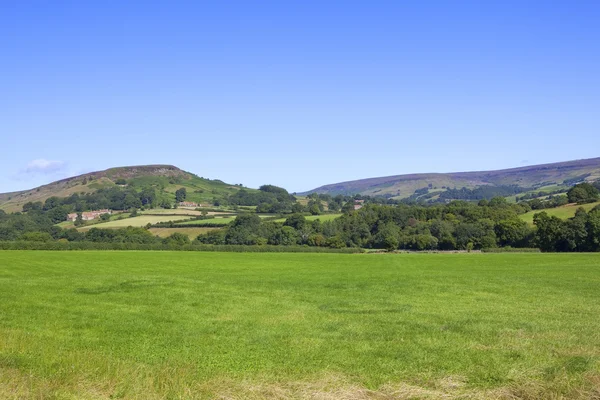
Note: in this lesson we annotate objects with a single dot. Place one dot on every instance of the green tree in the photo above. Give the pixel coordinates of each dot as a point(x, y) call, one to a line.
point(177, 238)
point(296, 221)
point(105, 217)
point(78, 220)
point(245, 229)
point(180, 194)
point(549, 231)
point(148, 197)
point(513, 232)
point(36, 237)
point(387, 237)
point(583, 193)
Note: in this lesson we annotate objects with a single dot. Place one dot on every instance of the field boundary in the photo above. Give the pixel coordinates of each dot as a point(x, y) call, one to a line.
point(75, 246)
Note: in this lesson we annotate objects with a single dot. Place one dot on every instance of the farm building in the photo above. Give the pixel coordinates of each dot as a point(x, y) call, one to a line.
point(88, 215)
point(358, 204)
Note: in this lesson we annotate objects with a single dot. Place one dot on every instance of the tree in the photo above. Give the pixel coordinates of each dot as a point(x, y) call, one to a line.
point(549, 231)
point(30, 206)
point(105, 217)
point(245, 229)
point(148, 197)
point(177, 238)
point(593, 229)
point(583, 193)
point(296, 221)
point(387, 237)
point(78, 220)
point(513, 232)
point(36, 237)
point(180, 194)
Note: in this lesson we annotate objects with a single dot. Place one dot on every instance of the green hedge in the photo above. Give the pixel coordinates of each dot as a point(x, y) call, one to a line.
point(511, 250)
point(23, 245)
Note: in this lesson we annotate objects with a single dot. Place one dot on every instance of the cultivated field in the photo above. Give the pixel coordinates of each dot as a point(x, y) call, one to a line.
point(139, 221)
point(157, 325)
point(563, 212)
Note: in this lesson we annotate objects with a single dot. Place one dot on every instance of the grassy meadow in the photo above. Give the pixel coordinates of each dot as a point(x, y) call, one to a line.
point(139, 221)
point(211, 221)
point(178, 325)
point(323, 218)
point(192, 233)
point(563, 212)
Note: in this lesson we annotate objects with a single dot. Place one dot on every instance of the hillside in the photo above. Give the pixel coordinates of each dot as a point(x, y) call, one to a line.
point(165, 178)
point(560, 175)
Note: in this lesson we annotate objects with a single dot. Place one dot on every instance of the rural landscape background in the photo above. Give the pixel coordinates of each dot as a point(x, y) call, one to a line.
point(300, 200)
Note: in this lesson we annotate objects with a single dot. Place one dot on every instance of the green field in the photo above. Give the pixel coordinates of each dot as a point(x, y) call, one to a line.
point(211, 221)
point(323, 218)
point(192, 233)
point(179, 325)
point(139, 221)
point(564, 212)
point(178, 211)
point(215, 221)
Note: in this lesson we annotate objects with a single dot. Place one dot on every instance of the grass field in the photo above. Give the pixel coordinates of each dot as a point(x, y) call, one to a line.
point(139, 221)
point(323, 218)
point(178, 211)
point(211, 221)
point(192, 233)
point(564, 212)
point(178, 325)
point(214, 221)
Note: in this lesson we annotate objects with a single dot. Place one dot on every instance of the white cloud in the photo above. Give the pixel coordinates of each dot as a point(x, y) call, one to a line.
point(44, 167)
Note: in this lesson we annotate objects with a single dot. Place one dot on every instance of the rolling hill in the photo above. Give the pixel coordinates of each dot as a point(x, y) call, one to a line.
point(560, 175)
point(165, 178)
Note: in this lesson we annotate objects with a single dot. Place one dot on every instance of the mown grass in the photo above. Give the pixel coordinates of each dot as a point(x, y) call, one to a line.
point(150, 325)
point(323, 218)
point(177, 211)
point(563, 212)
point(211, 221)
point(139, 221)
point(192, 233)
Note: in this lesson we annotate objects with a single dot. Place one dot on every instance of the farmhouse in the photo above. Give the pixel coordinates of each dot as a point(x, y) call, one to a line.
point(187, 204)
point(88, 215)
point(358, 204)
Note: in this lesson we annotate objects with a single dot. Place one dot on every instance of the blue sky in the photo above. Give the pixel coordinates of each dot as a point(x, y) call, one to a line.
point(296, 94)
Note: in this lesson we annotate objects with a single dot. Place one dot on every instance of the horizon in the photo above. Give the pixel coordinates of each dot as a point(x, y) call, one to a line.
point(316, 187)
point(298, 95)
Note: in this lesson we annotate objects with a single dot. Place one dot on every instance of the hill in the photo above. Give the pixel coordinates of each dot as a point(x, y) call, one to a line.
point(558, 175)
point(166, 179)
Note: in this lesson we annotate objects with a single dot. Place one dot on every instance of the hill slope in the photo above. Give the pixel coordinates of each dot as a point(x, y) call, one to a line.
point(166, 178)
point(535, 176)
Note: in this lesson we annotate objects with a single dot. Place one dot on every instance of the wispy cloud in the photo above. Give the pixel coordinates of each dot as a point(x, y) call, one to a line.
point(42, 166)
point(41, 169)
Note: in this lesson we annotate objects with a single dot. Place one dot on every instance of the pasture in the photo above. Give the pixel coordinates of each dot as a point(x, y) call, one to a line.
point(211, 221)
point(139, 221)
point(178, 211)
point(323, 218)
point(563, 212)
point(179, 325)
point(192, 233)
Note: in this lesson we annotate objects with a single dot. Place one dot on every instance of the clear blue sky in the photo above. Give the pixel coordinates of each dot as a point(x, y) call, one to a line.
point(296, 94)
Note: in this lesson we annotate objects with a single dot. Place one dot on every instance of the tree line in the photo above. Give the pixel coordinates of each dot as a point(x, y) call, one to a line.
point(458, 225)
